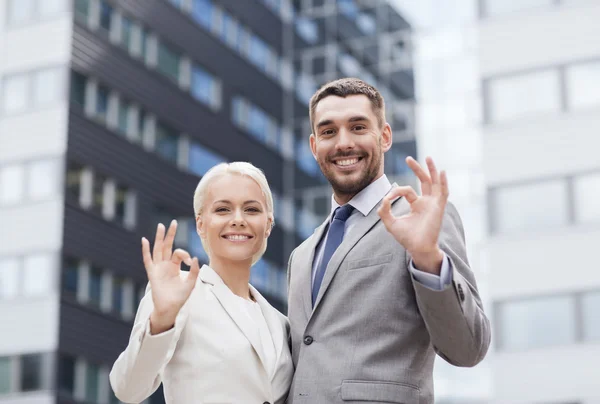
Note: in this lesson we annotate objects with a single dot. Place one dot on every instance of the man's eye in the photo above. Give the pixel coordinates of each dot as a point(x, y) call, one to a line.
point(359, 127)
point(328, 132)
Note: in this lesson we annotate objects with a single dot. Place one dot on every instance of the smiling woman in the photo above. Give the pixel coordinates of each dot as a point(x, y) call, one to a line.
point(228, 331)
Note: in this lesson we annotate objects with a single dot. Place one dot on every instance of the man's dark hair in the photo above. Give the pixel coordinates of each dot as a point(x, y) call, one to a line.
point(345, 87)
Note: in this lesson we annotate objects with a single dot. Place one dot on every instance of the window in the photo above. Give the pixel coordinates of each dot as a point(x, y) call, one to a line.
point(529, 94)
point(590, 304)
point(258, 52)
point(31, 372)
point(70, 277)
point(499, 7)
point(167, 142)
point(9, 277)
point(66, 378)
point(537, 322)
point(126, 29)
point(15, 95)
point(20, 11)
point(102, 102)
point(348, 8)
point(92, 376)
point(202, 12)
point(43, 180)
point(366, 23)
point(201, 159)
point(580, 79)
point(123, 116)
point(204, 87)
point(95, 286)
point(50, 7)
point(38, 274)
point(144, 43)
point(82, 10)
point(117, 294)
point(12, 180)
point(168, 62)
point(106, 12)
point(517, 208)
point(74, 179)
point(122, 206)
point(307, 30)
point(587, 198)
point(78, 84)
point(5, 375)
point(98, 193)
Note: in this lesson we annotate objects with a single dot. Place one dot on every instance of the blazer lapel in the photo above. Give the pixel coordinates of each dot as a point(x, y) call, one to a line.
point(348, 243)
point(276, 329)
point(306, 281)
point(231, 306)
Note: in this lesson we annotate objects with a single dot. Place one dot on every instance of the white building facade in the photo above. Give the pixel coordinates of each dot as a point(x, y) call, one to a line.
point(540, 68)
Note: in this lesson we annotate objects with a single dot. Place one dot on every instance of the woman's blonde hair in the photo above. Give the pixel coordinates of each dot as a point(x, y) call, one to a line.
point(236, 168)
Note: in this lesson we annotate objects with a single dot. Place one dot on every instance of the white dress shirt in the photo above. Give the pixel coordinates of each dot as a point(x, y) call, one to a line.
point(363, 203)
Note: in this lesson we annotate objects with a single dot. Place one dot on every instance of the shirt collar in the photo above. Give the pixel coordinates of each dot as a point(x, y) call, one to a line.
point(368, 198)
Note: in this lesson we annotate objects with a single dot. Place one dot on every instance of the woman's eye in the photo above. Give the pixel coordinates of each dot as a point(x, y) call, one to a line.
point(221, 210)
point(253, 210)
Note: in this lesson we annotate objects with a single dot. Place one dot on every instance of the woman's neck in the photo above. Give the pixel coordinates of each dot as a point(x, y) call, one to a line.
point(235, 274)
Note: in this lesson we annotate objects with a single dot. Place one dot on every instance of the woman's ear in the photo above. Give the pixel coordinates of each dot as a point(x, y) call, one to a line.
point(199, 226)
point(269, 227)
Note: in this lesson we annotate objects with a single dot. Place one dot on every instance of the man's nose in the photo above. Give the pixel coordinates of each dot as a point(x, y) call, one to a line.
point(345, 139)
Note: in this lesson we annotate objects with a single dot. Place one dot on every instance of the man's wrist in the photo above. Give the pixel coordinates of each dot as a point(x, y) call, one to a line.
point(430, 262)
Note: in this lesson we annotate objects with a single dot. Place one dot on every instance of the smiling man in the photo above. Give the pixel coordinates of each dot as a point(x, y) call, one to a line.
point(384, 283)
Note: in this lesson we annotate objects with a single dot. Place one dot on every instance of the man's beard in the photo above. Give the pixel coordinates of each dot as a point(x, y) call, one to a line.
point(346, 187)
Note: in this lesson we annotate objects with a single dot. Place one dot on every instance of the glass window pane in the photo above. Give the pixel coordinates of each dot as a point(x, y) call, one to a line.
point(74, 172)
point(9, 277)
point(102, 102)
point(537, 323)
point(587, 198)
point(31, 372)
point(499, 7)
point(590, 304)
point(47, 86)
point(120, 204)
point(307, 30)
point(202, 12)
point(144, 43)
point(82, 10)
point(126, 26)
point(123, 118)
point(78, 84)
point(91, 383)
point(201, 159)
point(5, 375)
point(106, 12)
point(95, 286)
point(15, 94)
point(515, 97)
point(20, 11)
point(66, 379)
point(202, 87)
point(258, 52)
point(117, 295)
point(43, 179)
point(70, 277)
point(580, 82)
point(98, 193)
point(168, 62)
point(167, 142)
point(12, 184)
point(517, 208)
point(38, 274)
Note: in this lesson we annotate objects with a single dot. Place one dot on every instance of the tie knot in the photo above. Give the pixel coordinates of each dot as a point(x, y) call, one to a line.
point(342, 213)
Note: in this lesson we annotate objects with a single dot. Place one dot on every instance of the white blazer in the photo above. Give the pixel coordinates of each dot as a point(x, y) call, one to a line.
point(212, 355)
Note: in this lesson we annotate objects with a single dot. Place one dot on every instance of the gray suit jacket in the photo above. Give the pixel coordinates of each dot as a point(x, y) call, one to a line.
point(374, 331)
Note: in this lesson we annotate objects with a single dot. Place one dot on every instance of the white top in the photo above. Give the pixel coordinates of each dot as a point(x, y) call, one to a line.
point(252, 309)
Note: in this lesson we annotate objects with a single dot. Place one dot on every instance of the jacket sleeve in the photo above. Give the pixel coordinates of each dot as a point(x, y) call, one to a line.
point(459, 329)
point(137, 372)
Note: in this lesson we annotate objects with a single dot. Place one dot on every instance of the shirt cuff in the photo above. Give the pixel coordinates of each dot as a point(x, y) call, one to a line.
point(431, 281)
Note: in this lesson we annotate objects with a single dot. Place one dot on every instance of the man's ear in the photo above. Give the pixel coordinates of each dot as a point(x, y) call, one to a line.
point(313, 145)
point(386, 137)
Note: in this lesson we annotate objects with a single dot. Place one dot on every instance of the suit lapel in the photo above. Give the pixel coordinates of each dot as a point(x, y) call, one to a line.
point(229, 302)
point(306, 281)
point(348, 243)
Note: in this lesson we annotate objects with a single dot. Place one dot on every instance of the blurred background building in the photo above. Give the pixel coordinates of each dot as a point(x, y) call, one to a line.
point(540, 68)
point(110, 113)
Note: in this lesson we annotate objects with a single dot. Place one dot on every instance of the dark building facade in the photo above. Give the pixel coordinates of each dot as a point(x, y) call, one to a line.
point(159, 91)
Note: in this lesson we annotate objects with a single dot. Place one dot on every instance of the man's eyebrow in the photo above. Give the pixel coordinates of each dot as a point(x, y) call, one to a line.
point(358, 118)
point(324, 123)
